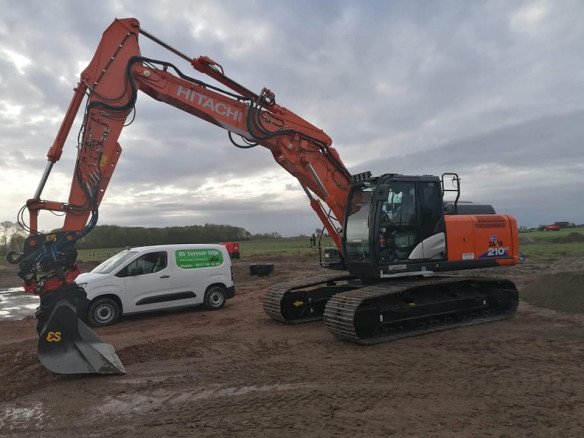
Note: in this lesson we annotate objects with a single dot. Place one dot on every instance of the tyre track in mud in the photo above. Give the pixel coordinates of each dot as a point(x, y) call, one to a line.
point(215, 398)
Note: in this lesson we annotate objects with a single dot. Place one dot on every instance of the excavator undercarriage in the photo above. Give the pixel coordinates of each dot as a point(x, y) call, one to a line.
point(304, 301)
point(371, 313)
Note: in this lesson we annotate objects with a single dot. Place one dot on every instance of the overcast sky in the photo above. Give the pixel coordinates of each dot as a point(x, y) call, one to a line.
point(493, 90)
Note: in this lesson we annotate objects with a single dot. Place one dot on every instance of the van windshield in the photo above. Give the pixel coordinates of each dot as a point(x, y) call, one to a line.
point(114, 262)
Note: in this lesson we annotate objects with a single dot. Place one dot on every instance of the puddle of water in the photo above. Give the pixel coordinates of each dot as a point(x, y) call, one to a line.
point(17, 417)
point(140, 403)
point(12, 289)
point(15, 304)
point(139, 381)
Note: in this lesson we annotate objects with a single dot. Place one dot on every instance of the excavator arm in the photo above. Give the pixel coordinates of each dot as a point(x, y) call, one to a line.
point(111, 83)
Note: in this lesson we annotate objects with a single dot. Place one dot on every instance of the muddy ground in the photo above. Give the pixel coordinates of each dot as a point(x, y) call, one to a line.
point(234, 372)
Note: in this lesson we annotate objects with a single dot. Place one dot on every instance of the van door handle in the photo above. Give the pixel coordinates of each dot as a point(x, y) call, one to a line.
point(165, 276)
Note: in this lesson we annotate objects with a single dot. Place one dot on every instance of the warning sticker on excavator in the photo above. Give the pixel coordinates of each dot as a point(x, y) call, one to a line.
point(496, 248)
point(102, 161)
point(198, 258)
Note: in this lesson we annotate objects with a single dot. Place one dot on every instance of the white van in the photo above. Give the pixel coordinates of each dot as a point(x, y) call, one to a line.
point(158, 277)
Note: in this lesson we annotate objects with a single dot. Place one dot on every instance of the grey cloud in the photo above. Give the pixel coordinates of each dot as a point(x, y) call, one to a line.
point(548, 149)
point(544, 141)
point(256, 214)
point(406, 87)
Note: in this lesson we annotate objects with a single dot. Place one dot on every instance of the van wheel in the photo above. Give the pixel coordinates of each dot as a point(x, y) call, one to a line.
point(103, 311)
point(215, 298)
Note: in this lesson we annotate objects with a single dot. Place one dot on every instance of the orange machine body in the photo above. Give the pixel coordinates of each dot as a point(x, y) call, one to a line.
point(482, 237)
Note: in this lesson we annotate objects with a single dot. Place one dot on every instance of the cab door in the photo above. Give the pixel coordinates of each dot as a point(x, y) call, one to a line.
point(407, 212)
point(148, 282)
point(397, 226)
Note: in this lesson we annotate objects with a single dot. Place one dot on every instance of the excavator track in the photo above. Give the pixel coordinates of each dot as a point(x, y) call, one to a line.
point(403, 308)
point(303, 301)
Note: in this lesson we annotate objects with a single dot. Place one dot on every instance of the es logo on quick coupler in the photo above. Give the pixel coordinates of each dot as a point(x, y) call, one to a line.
point(54, 337)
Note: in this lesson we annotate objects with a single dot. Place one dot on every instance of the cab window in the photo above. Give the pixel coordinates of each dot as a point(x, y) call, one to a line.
point(431, 214)
point(149, 263)
point(357, 230)
point(400, 206)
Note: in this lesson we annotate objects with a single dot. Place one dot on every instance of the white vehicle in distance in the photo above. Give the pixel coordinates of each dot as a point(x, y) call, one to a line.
point(158, 277)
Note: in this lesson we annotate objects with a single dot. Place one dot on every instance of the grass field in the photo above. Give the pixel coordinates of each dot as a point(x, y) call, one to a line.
point(551, 236)
point(96, 255)
point(280, 246)
point(551, 250)
point(552, 244)
point(249, 248)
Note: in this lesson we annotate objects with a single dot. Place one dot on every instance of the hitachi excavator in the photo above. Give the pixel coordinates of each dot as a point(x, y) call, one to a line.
point(395, 233)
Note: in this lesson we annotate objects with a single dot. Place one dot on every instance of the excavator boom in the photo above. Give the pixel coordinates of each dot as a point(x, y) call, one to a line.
point(110, 84)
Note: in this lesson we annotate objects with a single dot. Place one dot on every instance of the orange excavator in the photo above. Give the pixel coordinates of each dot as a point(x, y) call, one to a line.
point(395, 234)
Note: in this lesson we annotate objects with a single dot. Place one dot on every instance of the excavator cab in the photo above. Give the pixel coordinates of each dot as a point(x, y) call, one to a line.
point(389, 219)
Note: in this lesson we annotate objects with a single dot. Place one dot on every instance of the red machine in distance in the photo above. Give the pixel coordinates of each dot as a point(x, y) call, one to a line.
point(393, 231)
point(233, 249)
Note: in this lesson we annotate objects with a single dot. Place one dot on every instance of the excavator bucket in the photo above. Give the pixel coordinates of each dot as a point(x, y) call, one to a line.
point(66, 344)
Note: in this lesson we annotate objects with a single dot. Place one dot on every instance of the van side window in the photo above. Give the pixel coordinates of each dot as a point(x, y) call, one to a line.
point(146, 264)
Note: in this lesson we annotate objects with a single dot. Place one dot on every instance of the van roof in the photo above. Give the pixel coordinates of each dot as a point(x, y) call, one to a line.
point(179, 246)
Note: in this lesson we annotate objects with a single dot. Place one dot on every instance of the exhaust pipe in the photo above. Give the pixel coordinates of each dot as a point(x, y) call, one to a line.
point(66, 344)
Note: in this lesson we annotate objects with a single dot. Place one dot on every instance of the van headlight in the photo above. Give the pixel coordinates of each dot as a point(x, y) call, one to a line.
point(82, 285)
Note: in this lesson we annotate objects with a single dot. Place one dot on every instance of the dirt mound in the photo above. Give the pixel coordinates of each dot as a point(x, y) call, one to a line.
point(570, 238)
point(575, 237)
point(564, 264)
point(562, 291)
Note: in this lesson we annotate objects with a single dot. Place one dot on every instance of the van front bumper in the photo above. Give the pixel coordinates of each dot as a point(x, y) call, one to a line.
point(231, 292)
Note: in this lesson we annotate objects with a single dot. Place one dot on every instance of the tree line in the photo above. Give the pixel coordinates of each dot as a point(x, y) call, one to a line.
point(111, 236)
point(11, 237)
